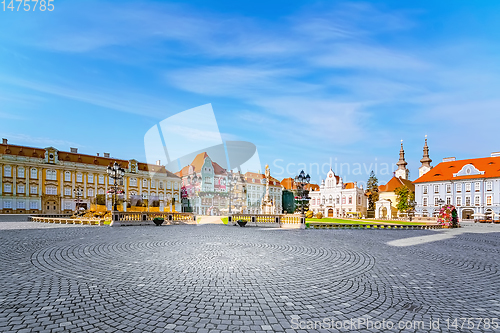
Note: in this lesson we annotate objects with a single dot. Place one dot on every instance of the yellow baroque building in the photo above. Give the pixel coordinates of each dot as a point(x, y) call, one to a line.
point(49, 181)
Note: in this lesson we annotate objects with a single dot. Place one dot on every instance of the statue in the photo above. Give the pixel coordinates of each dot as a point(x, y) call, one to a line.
point(267, 205)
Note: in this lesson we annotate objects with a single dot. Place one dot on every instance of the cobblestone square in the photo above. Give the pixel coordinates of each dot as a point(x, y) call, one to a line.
point(215, 278)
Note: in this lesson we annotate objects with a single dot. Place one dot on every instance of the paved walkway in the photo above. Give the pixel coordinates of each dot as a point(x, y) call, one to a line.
point(216, 278)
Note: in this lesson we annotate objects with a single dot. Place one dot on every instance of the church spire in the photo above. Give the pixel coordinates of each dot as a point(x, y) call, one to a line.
point(402, 172)
point(426, 161)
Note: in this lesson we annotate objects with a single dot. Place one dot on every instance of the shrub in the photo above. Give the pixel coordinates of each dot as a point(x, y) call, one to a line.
point(319, 215)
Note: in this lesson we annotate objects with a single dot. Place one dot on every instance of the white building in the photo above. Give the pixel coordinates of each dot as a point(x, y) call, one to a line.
point(472, 186)
point(338, 199)
point(256, 189)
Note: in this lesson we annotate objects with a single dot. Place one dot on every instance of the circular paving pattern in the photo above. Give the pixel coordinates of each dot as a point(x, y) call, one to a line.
point(224, 279)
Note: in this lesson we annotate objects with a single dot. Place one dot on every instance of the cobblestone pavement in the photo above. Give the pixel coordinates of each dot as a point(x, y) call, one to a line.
point(216, 278)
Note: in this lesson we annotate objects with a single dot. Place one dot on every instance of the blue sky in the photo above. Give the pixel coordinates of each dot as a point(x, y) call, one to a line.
point(307, 82)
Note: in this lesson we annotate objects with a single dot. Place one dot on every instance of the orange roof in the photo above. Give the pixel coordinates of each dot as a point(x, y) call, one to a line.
point(258, 177)
point(312, 187)
point(394, 183)
point(197, 164)
point(489, 167)
point(348, 186)
point(9, 149)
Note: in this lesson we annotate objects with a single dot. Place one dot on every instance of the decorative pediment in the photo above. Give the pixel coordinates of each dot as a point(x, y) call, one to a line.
point(468, 170)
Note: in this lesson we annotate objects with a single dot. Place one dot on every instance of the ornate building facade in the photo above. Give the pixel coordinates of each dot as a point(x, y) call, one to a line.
point(338, 199)
point(49, 181)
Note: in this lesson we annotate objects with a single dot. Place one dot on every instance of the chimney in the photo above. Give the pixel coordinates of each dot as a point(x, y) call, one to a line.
point(74, 150)
point(106, 155)
point(97, 154)
point(496, 154)
point(158, 162)
point(449, 159)
point(4, 141)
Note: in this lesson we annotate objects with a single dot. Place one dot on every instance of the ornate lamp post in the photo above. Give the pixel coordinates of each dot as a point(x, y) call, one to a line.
point(302, 180)
point(232, 180)
point(78, 193)
point(411, 211)
point(116, 173)
point(193, 180)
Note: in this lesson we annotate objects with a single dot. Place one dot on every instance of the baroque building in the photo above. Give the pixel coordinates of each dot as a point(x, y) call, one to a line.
point(472, 186)
point(385, 207)
point(47, 180)
point(338, 199)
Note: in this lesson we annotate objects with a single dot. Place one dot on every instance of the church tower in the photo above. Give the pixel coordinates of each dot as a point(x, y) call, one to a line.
point(426, 161)
point(402, 171)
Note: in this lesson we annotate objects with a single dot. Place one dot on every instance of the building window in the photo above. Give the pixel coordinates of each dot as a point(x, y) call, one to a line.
point(477, 186)
point(448, 188)
point(67, 191)
point(20, 188)
point(7, 204)
point(448, 200)
point(425, 190)
point(323, 200)
point(7, 188)
point(176, 186)
point(343, 200)
point(330, 200)
point(33, 205)
point(90, 192)
point(489, 186)
point(21, 205)
point(67, 176)
point(67, 206)
point(20, 172)
point(436, 199)
point(459, 187)
point(33, 189)
point(489, 200)
point(101, 191)
point(79, 177)
point(34, 173)
point(161, 185)
point(51, 175)
point(459, 201)
point(144, 183)
point(338, 200)
point(153, 183)
point(169, 186)
point(467, 201)
point(51, 190)
point(477, 200)
point(436, 188)
point(90, 178)
point(7, 171)
point(350, 200)
point(101, 179)
point(467, 187)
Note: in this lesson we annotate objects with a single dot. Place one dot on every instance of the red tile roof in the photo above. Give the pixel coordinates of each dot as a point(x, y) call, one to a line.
point(197, 164)
point(9, 149)
point(258, 177)
point(394, 183)
point(445, 170)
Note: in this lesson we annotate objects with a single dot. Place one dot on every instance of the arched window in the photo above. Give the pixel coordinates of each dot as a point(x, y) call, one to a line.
point(330, 200)
point(7, 171)
point(67, 176)
point(34, 173)
point(323, 200)
point(338, 200)
point(20, 172)
point(343, 199)
point(350, 199)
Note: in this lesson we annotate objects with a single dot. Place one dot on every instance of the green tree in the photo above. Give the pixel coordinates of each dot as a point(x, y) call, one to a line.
point(404, 198)
point(372, 189)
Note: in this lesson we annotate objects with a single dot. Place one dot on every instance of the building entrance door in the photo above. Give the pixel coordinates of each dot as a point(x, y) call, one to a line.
point(330, 212)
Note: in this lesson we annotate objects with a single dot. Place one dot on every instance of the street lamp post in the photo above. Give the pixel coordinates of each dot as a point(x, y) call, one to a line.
point(301, 181)
point(193, 180)
point(116, 173)
point(411, 211)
